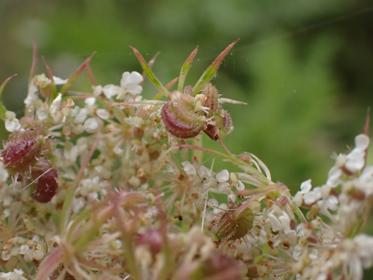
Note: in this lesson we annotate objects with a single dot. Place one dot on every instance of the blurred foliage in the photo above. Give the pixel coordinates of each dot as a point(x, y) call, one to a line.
point(304, 67)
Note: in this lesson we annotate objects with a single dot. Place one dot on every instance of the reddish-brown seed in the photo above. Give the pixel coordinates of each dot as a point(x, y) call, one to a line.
point(46, 181)
point(21, 150)
point(219, 266)
point(176, 126)
point(212, 131)
point(151, 238)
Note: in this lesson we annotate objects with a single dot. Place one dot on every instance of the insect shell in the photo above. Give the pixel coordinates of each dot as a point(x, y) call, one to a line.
point(234, 224)
point(186, 115)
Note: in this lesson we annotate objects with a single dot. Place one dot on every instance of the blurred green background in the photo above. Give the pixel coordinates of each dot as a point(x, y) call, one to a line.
point(304, 67)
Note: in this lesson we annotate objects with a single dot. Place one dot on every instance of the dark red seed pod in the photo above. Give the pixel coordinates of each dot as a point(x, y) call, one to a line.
point(179, 117)
point(219, 266)
point(46, 181)
point(212, 131)
point(21, 150)
point(151, 238)
point(212, 97)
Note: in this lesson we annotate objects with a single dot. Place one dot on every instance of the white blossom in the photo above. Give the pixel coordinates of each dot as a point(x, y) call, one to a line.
point(16, 274)
point(130, 82)
point(111, 91)
point(91, 125)
point(11, 122)
point(365, 181)
point(58, 81)
point(103, 114)
point(3, 172)
point(31, 95)
point(189, 168)
point(56, 105)
point(222, 176)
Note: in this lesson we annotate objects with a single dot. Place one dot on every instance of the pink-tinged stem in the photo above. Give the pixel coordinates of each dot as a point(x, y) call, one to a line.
point(50, 264)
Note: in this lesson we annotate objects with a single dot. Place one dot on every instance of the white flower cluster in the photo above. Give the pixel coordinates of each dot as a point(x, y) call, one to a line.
point(33, 249)
point(17, 274)
point(135, 201)
point(129, 86)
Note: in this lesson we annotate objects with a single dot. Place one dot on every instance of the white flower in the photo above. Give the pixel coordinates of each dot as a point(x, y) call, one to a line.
point(334, 175)
point(103, 114)
point(111, 91)
point(362, 142)
point(97, 90)
point(355, 160)
point(134, 121)
point(58, 81)
point(11, 122)
point(41, 81)
point(3, 172)
point(71, 154)
point(17, 274)
point(31, 95)
point(91, 125)
point(90, 101)
point(312, 196)
point(365, 181)
point(204, 172)
point(189, 168)
point(222, 176)
point(365, 249)
point(56, 105)
point(130, 82)
point(78, 204)
point(81, 114)
point(331, 203)
point(42, 113)
point(274, 222)
point(305, 188)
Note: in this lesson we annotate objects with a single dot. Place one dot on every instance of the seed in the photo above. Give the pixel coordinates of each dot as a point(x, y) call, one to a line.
point(21, 150)
point(179, 117)
point(46, 181)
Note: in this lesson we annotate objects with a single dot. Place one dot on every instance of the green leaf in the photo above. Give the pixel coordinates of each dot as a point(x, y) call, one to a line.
point(185, 69)
point(2, 87)
point(74, 76)
point(211, 71)
point(149, 72)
